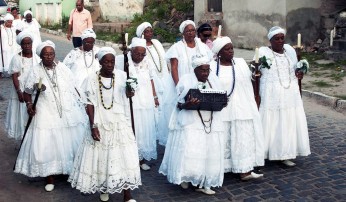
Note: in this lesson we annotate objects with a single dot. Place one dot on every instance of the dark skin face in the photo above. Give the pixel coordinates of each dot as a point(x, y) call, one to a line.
point(189, 33)
point(148, 33)
point(107, 65)
point(79, 6)
point(204, 36)
point(226, 53)
point(202, 72)
point(26, 45)
point(28, 18)
point(88, 44)
point(138, 54)
point(14, 13)
point(277, 42)
point(47, 55)
point(8, 23)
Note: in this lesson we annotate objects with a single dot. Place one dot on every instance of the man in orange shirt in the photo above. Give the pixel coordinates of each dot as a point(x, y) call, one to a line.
point(80, 19)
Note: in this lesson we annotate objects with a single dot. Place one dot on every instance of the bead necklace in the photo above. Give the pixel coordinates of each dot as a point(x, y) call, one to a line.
point(207, 129)
point(277, 69)
point(10, 42)
point(189, 63)
point(233, 74)
point(53, 83)
point(152, 57)
point(92, 58)
point(102, 86)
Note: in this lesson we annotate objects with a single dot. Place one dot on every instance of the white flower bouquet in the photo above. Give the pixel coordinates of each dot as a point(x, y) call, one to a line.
point(265, 62)
point(303, 66)
point(201, 85)
point(131, 84)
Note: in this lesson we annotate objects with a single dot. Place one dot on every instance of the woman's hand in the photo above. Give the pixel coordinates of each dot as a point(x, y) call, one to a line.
point(95, 134)
point(30, 109)
point(299, 74)
point(129, 93)
point(191, 102)
point(20, 96)
point(156, 100)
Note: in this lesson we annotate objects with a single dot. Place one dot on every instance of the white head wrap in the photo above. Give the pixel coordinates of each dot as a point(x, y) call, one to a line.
point(138, 42)
point(274, 31)
point(219, 43)
point(8, 17)
point(104, 51)
point(40, 46)
point(23, 35)
point(27, 12)
point(186, 23)
point(88, 33)
point(141, 28)
point(198, 60)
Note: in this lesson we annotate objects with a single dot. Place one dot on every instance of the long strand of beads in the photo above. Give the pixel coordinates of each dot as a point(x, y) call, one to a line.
point(101, 95)
point(277, 69)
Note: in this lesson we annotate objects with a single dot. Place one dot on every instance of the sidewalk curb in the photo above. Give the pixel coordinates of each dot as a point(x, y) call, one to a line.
point(333, 102)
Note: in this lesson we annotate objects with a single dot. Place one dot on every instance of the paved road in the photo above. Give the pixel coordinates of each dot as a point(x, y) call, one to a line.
point(318, 177)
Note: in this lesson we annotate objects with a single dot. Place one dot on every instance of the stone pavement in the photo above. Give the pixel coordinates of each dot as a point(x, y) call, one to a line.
point(318, 177)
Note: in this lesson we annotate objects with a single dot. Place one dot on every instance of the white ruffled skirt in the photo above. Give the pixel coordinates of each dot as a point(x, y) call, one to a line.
point(194, 156)
point(109, 165)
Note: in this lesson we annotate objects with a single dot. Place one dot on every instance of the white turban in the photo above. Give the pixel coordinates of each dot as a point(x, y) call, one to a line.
point(141, 28)
point(198, 60)
point(138, 42)
point(44, 44)
point(104, 51)
point(274, 31)
point(27, 12)
point(8, 17)
point(23, 35)
point(219, 43)
point(88, 33)
point(186, 23)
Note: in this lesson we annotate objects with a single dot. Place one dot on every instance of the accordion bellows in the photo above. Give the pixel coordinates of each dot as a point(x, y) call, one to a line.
point(210, 100)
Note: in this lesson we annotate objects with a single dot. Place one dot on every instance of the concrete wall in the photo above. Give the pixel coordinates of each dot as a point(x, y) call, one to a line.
point(247, 21)
point(120, 10)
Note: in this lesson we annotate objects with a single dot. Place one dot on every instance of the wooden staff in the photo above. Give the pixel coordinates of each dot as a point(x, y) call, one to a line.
point(2, 53)
point(257, 84)
point(299, 56)
point(40, 88)
point(126, 69)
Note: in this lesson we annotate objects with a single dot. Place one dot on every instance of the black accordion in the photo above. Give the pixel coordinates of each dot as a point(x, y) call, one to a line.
point(210, 100)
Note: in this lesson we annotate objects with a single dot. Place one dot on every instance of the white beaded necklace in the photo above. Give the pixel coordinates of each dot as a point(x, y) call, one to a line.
point(277, 69)
point(10, 42)
point(159, 69)
point(92, 58)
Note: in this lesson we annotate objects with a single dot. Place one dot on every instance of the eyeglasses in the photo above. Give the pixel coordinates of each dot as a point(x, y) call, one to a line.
point(190, 31)
point(139, 54)
point(48, 55)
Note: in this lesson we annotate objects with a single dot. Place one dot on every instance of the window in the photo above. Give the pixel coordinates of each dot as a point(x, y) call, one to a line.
point(215, 5)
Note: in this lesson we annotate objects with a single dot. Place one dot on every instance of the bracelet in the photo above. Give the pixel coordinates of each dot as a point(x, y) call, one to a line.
point(94, 126)
point(155, 97)
point(180, 106)
point(28, 103)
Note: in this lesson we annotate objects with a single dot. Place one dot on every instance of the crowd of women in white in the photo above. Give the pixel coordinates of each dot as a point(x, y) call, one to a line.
point(82, 125)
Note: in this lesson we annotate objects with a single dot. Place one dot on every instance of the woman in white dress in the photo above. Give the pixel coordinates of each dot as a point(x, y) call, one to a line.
point(20, 66)
point(243, 133)
point(82, 60)
point(9, 45)
point(180, 54)
point(195, 146)
point(144, 102)
point(30, 24)
point(59, 120)
point(107, 160)
point(282, 112)
point(163, 81)
point(17, 19)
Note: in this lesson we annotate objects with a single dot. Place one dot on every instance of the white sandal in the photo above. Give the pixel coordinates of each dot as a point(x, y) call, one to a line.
point(104, 197)
point(206, 191)
point(49, 187)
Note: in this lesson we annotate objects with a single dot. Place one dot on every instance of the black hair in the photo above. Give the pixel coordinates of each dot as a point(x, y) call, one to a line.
point(14, 8)
point(204, 27)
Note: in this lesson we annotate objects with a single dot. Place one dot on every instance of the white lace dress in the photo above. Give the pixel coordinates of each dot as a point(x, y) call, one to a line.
point(111, 164)
point(192, 154)
point(17, 116)
point(58, 127)
point(282, 112)
point(244, 138)
point(9, 48)
point(165, 89)
point(82, 63)
point(144, 110)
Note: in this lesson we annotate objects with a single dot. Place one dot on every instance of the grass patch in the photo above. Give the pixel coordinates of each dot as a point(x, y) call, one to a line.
point(337, 76)
point(322, 84)
point(316, 74)
point(106, 36)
